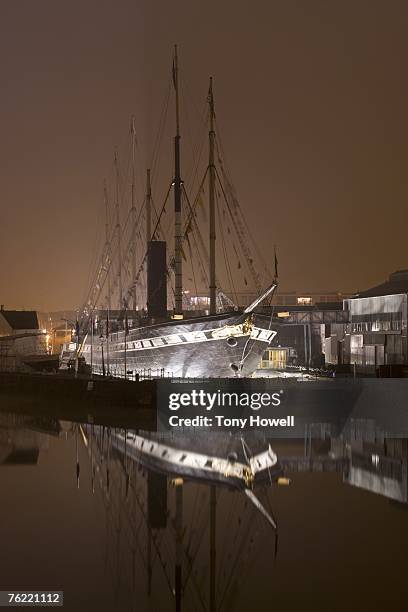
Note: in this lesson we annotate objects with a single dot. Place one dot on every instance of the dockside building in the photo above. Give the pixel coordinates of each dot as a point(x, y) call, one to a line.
point(20, 337)
point(377, 325)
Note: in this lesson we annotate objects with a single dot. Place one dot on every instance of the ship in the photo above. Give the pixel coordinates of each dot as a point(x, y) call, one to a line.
point(225, 345)
point(215, 344)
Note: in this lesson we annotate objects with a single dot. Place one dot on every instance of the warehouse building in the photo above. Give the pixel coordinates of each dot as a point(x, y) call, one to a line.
point(377, 327)
point(20, 337)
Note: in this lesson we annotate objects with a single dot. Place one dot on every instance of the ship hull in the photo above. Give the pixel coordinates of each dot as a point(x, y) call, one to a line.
point(221, 346)
point(207, 463)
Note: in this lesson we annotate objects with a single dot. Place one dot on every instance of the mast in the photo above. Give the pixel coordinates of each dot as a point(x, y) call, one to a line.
point(118, 228)
point(126, 334)
point(211, 176)
point(148, 227)
point(148, 209)
point(92, 341)
point(133, 214)
point(107, 243)
point(178, 268)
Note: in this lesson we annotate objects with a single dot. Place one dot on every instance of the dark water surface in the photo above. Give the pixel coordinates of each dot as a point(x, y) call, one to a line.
point(79, 516)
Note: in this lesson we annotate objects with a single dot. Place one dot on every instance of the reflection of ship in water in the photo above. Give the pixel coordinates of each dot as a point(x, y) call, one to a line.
point(200, 541)
point(208, 540)
point(193, 523)
point(217, 459)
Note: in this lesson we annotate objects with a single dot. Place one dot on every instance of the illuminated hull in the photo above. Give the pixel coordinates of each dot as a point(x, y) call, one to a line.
point(226, 345)
point(218, 459)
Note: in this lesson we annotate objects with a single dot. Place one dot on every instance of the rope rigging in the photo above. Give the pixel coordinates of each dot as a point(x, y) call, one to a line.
point(126, 241)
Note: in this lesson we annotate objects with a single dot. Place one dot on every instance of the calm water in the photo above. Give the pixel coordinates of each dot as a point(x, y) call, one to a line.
point(77, 515)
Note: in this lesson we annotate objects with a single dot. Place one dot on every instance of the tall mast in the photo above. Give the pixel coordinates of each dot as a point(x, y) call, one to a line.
point(133, 214)
point(211, 176)
point(178, 268)
point(148, 209)
point(107, 242)
point(148, 228)
point(118, 229)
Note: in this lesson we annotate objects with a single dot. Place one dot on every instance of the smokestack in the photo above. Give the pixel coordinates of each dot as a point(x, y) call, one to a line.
point(156, 279)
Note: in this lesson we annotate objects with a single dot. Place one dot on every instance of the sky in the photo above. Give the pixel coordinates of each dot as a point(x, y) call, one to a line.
point(312, 98)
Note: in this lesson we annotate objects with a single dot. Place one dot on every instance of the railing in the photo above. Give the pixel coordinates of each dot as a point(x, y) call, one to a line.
point(132, 375)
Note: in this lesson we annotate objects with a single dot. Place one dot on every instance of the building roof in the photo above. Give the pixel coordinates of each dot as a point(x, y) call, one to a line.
point(21, 319)
point(397, 283)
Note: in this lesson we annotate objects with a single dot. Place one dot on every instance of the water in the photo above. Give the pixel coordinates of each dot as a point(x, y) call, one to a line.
point(78, 516)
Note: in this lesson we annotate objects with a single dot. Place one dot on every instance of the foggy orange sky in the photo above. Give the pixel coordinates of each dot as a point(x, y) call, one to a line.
point(312, 98)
